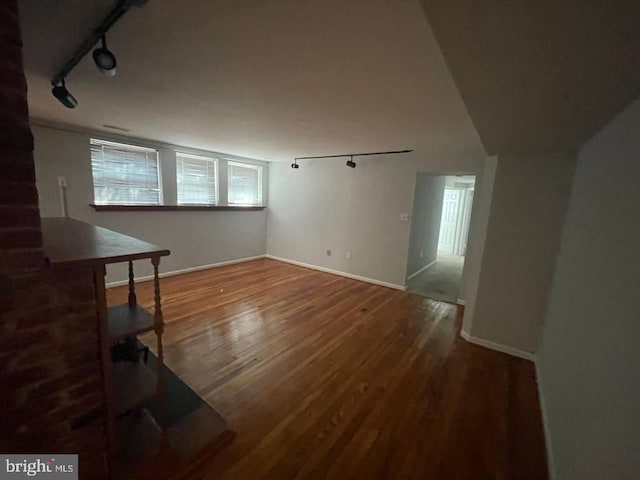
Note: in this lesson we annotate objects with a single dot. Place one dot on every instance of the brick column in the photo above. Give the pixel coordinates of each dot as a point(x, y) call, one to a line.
point(51, 397)
point(20, 240)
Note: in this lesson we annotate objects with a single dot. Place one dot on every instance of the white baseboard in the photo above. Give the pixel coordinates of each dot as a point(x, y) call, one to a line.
point(186, 270)
point(545, 427)
point(337, 272)
point(498, 347)
point(429, 265)
point(460, 301)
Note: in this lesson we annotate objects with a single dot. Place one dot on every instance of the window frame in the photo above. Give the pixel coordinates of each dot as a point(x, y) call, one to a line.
point(216, 183)
point(259, 168)
point(133, 147)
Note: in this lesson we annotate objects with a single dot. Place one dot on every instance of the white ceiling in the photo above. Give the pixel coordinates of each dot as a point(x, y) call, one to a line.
point(540, 75)
point(264, 79)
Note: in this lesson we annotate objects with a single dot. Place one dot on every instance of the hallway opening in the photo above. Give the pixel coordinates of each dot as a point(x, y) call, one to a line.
point(439, 232)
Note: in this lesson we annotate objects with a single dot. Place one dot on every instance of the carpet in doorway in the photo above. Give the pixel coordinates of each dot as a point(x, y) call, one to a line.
point(441, 281)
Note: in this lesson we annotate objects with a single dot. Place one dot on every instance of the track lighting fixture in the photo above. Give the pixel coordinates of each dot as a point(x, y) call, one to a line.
point(350, 162)
point(63, 95)
point(104, 59)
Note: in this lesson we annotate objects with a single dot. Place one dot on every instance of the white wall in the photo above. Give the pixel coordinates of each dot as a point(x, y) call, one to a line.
point(530, 195)
point(194, 238)
point(480, 210)
point(425, 221)
point(589, 358)
point(326, 205)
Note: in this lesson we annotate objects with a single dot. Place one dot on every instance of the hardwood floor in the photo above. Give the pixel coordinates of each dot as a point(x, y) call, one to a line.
point(322, 376)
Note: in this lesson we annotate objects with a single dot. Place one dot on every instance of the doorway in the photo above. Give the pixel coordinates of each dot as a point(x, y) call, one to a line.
point(439, 233)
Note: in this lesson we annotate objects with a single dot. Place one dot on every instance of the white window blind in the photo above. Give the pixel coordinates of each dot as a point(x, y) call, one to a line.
point(245, 184)
point(124, 174)
point(196, 177)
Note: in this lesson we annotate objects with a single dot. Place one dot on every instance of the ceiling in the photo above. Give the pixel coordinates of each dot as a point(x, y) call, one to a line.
point(540, 75)
point(268, 79)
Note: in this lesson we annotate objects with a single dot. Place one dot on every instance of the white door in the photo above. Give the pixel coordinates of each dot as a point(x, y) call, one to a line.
point(449, 221)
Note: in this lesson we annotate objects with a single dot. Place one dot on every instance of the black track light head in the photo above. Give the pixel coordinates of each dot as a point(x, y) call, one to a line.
point(351, 163)
point(63, 95)
point(104, 59)
point(295, 164)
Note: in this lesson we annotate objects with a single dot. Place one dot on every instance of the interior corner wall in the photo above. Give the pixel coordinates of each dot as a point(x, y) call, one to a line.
point(589, 356)
point(425, 221)
point(530, 196)
point(324, 205)
point(477, 235)
point(194, 238)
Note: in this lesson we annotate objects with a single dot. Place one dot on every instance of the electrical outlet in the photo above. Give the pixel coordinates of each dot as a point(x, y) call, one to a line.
point(271, 241)
point(348, 255)
point(328, 252)
point(421, 253)
point(404, 217)
point(62, 181)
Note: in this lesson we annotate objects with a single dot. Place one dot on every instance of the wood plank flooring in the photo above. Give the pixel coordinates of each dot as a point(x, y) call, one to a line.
point(322, 376)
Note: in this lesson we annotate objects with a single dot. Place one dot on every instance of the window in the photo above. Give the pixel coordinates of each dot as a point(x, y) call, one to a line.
point(124, 174)
point(245, 184)
point(196, 177)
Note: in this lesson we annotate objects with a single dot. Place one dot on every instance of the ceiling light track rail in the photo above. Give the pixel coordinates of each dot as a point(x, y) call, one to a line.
point(122, 7)
point(355, 154)
point(350, 162)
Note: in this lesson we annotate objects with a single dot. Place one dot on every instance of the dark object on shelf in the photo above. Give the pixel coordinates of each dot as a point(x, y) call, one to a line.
point(129, 350)
point(125, 351)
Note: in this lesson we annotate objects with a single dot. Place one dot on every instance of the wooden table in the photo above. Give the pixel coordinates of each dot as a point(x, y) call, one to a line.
point(69, 243)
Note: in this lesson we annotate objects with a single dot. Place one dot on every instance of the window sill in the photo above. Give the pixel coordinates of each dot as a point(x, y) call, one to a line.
point(173, 208)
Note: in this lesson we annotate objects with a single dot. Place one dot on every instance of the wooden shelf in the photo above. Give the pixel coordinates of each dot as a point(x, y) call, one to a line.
point(190, 442)
point(202, 430)
point(139, 440)
point(133, 383)
point(69, 243)
point(126, 321)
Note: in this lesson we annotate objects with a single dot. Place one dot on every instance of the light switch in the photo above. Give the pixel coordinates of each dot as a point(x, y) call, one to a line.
point(404, 217)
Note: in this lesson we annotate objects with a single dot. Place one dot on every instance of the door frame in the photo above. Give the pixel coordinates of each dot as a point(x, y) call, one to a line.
point(440, 174)
point(465, 223)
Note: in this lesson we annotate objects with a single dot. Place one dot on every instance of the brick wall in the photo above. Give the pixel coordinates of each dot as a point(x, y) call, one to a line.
point(51, 396)
point(50, 378)
point(20, 242)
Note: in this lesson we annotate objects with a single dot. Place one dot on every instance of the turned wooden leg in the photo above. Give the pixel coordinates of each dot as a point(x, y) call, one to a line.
point(159, 329)
point(159, 323)
point(132, 288)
